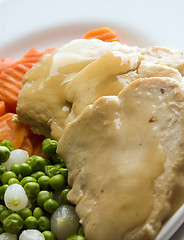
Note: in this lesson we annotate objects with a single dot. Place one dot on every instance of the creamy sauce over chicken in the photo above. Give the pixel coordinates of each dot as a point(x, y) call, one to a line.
point(71, 78)
point(119, 114)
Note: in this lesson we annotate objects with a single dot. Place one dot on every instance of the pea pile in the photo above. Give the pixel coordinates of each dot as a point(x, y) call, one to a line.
point(27, 192)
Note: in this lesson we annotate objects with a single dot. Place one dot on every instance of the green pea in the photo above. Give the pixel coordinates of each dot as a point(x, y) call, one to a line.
point(56, 159)
point(49, 147)
point(47, 168)
point(76, 237)
point(64, 172)
point(48, 235)
point(37, 163)
point(2, 191)
point(50, 205)
point(13, 223)
point(3, 169)
point(43, 223)
point(7, 144)
point(15, 168)
point(63, 197)
point(62, 162)
point(32, 189)
point(44, 182)
point(1, 228)
point(37, 175)
point(57, 182)
point(4, 154)
point(26, 180)
point(25, 169)
point(52, 171)
point(31, 223)
point(20, 177)
point(12, 181)
point(58, 165)
point(5, 214)
point(7, 175)
point(38, 212)
point(25, 212)
point(2, 208)
point(43, 196)
point(48, 161)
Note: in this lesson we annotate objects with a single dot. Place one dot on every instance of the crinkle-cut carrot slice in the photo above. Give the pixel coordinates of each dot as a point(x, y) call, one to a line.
point(33, 56)
point(105, 34)
point(6, 62)
point(12, 130)
point(2, 108)
point(11, 77)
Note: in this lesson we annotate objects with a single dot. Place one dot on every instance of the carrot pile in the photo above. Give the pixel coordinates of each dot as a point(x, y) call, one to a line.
point(11, 76)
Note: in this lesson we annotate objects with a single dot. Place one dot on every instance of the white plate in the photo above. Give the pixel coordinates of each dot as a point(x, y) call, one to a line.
point(50, 23)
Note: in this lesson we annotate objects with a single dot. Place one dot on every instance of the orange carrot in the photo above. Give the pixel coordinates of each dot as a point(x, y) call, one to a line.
point(12, 130)
point(33, 56)
point(11, 77)
point(36, 141)
point(2, 108)
point(104, 34)
point(6, 62)
point(27, 145)
point(20, 135)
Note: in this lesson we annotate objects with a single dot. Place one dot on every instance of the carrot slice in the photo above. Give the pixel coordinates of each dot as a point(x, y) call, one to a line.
point(6, 62)
point(36, 141)
point(33, 144)
point(105, 34)
point(11, 77)
point(12, 130)
point(27, 145)
point(2, 108)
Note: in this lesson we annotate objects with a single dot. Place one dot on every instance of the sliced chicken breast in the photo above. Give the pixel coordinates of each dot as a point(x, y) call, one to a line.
point(125, 158)
point(166, 56)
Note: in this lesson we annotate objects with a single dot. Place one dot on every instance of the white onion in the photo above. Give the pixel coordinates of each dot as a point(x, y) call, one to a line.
point(8, 236)
point(31, 235)
point(15, 197)
point(17, 156)
point(64, 222)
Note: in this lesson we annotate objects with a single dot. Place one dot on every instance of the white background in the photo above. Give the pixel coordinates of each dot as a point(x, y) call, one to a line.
point(145, 22)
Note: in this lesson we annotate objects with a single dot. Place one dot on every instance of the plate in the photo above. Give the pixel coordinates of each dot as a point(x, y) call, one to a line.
point(51, 23)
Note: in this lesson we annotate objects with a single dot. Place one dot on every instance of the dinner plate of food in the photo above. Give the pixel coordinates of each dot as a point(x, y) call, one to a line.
point(91, 121)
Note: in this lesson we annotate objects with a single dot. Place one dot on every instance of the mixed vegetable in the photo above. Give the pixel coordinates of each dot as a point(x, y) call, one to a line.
point(33, 195)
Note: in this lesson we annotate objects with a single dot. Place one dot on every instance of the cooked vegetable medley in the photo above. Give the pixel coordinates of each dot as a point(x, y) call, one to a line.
point(33, 195)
